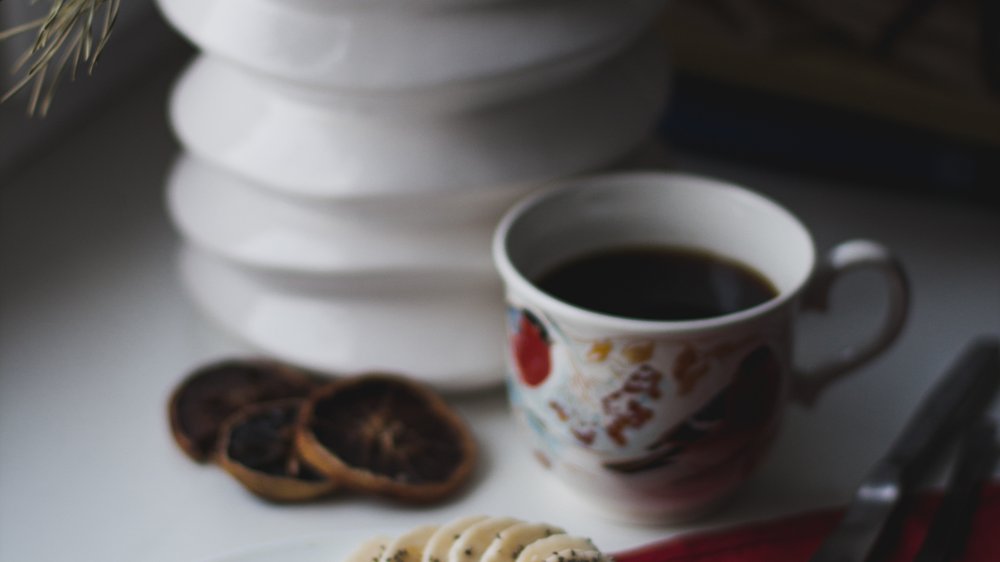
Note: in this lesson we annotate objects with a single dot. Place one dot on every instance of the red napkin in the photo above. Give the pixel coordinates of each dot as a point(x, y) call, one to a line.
point(796, 539)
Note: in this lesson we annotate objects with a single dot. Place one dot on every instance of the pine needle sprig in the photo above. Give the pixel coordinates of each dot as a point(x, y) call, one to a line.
point(73, 32)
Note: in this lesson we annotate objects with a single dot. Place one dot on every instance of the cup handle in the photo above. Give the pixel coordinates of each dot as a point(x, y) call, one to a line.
point(848, 256)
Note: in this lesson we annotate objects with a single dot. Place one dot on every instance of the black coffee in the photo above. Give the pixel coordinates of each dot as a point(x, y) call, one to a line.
point(657, 283)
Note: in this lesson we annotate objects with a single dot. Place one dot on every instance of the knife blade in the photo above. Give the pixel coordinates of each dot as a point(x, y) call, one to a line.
point(958, 399)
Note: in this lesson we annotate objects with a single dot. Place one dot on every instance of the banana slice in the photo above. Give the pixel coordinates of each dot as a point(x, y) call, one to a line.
point(408, 547)
point(507, 546)
point(440, 543)
point(542, 549)
point(474, 541)
point(575, 555)
point(370, 550)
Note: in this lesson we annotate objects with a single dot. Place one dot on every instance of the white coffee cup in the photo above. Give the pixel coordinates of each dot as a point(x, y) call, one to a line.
point(661, 420)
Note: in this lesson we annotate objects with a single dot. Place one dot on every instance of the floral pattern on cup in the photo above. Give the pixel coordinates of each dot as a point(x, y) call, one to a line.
point(561, 390)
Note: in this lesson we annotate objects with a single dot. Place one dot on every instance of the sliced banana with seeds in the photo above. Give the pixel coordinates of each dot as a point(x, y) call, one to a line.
point(480, 539)
point(370, 550)
point(576, 555)
point(408, 547)
point(542, 549)
point(507, 546)
point(441, 541)
point(474, 541)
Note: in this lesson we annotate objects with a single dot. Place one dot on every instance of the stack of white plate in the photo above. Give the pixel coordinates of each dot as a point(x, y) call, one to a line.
point(346, 161)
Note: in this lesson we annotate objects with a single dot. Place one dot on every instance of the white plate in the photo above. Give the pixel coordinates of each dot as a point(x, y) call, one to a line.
point(328, 548)
point(240, 122)
point(262, 228)
point(509, 46)
point(332, 546)
point(446, 332)
point(417, 5)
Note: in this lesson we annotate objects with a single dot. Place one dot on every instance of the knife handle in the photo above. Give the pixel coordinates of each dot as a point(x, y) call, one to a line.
point(952, 523)
point(960, 397)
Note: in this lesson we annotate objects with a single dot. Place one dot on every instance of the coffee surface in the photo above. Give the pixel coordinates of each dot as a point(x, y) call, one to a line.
point(657, 283)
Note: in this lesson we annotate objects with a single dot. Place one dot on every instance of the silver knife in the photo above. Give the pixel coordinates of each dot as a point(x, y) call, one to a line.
point(951, 405)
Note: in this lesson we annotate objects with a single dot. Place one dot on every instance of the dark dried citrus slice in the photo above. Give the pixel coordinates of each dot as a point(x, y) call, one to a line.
point(208, 396)
point(257, 446)
point(388, 435)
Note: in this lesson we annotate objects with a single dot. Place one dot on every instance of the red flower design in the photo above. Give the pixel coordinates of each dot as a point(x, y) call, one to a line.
point(531, 350)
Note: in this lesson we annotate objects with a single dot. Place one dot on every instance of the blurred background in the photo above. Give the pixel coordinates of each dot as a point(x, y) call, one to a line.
point(902, 94)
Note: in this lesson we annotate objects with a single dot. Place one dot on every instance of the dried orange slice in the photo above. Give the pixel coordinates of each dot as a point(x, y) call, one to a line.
point(212, 393)
point(388, 435)
point(257, 447)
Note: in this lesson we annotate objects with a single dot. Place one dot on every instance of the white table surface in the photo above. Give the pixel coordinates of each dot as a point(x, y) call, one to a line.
point(95, 330)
